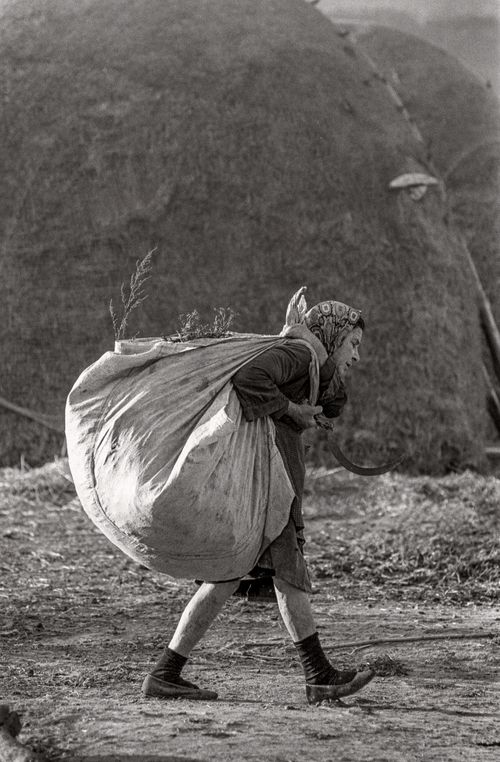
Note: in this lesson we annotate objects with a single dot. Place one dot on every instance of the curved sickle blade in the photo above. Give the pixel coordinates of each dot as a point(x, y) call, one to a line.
point(361, 470)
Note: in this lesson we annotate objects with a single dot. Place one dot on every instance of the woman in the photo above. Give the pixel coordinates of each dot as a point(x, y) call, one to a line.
point(276, 384)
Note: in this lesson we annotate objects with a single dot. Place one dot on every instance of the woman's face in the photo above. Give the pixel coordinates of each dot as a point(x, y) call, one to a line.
point(348, 352)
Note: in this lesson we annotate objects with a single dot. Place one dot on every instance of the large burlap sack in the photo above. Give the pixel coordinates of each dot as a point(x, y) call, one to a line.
point(164, 462)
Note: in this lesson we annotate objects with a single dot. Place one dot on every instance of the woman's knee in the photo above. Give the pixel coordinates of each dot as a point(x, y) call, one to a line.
point(286, 588)
point(221, 589)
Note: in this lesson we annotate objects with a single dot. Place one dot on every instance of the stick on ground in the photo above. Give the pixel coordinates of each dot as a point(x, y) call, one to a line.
point(360, 644)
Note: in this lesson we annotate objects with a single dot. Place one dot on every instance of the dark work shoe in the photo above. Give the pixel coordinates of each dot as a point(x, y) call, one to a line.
point(157, 688)
point(342, 676)
point(317, 693)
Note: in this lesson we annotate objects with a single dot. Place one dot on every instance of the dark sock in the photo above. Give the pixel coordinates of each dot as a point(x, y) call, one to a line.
point(316, 666)
point(169, 667)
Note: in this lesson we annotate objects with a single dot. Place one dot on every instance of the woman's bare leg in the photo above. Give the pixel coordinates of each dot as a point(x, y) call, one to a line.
point(199, 614)
point(164, 680)
point(323, 680)
point(295, 609)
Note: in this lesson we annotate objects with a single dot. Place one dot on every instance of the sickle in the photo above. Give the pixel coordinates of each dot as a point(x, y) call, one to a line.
point(361, 470)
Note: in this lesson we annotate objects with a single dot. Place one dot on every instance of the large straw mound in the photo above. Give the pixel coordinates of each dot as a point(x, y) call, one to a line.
point(459, 118)
point(253, 146)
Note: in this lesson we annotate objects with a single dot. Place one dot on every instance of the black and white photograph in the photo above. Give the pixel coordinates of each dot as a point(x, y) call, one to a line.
point(250, 380)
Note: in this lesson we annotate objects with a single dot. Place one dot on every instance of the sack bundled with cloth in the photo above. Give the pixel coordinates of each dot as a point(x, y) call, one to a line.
point(165, 464)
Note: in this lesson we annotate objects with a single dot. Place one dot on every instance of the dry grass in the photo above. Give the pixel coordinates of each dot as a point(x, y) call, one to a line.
point(49, 484)
point(386, 665)
point(132, 297)
point(433, 539)
point(412, 538)
point(191, 325)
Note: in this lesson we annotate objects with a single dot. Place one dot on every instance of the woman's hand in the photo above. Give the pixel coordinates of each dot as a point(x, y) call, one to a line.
point(303, 415)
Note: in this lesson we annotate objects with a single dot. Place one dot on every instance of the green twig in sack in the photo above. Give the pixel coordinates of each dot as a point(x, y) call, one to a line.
point(132, 296)
point(192, 327)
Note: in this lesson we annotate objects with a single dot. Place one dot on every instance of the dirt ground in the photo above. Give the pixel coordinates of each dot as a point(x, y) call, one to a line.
point(80, 625)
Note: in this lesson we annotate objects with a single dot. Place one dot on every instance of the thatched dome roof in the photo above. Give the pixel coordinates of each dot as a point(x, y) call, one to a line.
point(252, 145)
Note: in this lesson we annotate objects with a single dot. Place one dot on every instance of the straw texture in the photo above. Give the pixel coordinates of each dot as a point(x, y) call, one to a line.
point(252, 145)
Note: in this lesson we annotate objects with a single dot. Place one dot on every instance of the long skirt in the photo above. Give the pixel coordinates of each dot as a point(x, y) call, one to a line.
point(284, 557)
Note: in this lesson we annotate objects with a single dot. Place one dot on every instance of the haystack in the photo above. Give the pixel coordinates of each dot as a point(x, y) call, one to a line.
point(253, 146)
point(458, 116)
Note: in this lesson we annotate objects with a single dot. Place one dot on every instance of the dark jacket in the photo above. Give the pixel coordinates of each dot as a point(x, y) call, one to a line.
point(264, 387)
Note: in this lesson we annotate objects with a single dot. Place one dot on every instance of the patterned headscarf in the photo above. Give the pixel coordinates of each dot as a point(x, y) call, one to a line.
point(330, 322)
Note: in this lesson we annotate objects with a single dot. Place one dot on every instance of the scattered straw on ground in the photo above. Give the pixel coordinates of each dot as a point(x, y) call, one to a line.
point(432, 538)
